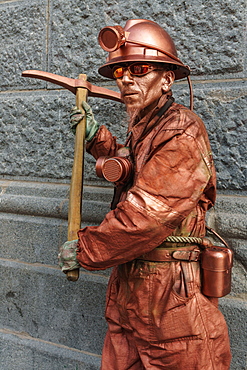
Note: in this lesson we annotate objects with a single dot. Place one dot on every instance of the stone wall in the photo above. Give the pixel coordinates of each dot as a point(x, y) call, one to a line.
point(47, 322)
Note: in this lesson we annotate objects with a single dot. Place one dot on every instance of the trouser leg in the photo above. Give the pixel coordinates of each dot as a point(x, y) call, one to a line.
point(184, 329)
point(120, 352)
point(209, 349)
point(170, 324)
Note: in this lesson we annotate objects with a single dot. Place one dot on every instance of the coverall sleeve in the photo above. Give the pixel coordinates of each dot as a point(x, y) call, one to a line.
point(167, 189)
point(103, 144)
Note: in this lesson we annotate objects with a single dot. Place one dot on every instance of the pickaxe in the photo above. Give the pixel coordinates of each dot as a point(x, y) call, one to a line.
point(81, 88)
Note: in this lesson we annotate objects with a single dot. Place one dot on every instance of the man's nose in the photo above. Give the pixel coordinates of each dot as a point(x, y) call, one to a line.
point(127, 78)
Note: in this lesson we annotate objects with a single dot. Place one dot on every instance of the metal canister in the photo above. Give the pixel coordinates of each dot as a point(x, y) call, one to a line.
point(114, 169)
point(216, 265)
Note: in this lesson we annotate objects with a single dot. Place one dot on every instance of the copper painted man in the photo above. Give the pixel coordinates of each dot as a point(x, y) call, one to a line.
point(157, 316)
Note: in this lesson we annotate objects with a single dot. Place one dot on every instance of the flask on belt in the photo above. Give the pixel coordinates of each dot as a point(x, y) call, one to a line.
point(216, 266)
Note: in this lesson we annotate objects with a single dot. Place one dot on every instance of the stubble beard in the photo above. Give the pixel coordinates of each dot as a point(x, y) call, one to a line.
point(134, 115)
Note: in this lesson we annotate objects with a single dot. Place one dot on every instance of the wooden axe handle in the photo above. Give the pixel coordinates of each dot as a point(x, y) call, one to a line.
point(82, 88)
point(76, 184)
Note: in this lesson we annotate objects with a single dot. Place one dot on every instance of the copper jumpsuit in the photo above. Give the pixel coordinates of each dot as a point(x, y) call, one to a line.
point(157, 317)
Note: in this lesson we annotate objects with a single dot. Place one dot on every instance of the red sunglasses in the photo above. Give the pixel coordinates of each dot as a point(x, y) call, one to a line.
point(135, 69)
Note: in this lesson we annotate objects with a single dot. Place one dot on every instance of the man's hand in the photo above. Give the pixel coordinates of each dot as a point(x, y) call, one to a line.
point(67, 256)
point(77, 115)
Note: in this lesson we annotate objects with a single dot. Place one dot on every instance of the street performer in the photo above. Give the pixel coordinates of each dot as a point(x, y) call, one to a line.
point(157, 316)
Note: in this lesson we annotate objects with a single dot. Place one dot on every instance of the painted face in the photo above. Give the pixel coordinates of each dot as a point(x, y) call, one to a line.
point(140, 93)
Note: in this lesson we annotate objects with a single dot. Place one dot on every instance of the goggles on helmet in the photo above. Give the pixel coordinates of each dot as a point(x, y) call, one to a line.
point(135, 69)
point(112, 38)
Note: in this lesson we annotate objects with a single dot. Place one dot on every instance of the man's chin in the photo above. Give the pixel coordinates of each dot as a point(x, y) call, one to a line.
point(133, 107)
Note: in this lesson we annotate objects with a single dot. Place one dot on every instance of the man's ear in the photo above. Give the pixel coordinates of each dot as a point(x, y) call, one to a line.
point(167, 80)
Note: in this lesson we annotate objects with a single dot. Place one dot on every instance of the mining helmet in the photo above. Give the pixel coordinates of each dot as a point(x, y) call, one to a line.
point(140, 40)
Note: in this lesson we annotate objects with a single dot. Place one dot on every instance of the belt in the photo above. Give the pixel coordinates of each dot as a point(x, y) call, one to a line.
point(190, 253)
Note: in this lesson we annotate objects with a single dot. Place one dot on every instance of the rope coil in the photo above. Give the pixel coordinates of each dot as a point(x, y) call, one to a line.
point(183, 239)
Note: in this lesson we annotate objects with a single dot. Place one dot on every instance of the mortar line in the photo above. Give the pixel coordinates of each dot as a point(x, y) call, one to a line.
point(48, 19)
point(29, 337)
point(49, 267)
point(194, 82)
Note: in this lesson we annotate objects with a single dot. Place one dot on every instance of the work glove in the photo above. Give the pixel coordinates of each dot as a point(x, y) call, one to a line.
point(67, 256)
point(77, 115)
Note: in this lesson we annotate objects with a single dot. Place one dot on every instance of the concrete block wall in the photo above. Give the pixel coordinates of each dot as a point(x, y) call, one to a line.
point(47, 322)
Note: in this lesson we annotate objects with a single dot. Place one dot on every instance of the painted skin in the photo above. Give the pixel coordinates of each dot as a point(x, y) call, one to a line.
point(142, 93)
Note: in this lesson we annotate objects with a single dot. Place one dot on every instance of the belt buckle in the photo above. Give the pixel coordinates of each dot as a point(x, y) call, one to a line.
point(190, 256)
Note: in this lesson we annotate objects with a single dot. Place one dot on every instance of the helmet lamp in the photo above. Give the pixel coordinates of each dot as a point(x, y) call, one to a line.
point(111, 38)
